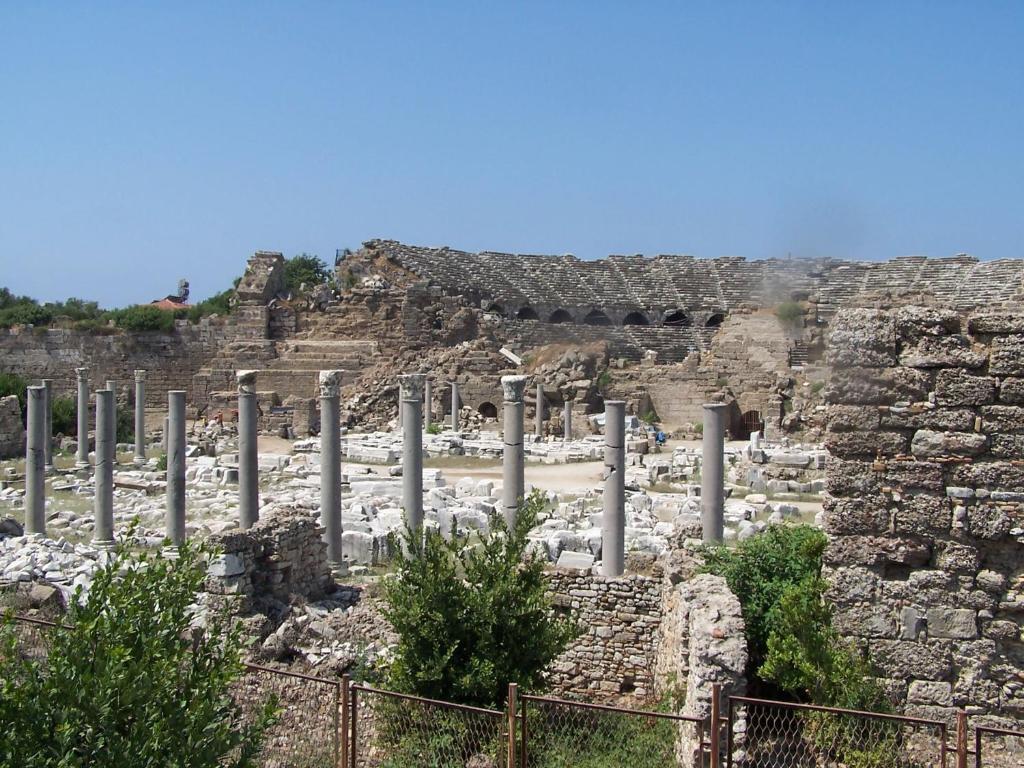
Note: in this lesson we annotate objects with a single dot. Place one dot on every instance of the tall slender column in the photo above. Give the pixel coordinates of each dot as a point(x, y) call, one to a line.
point(140, 417)
point(48, 439)
point(455, 406)
point(513, 482)
point(428, 404)
point(112, 386)
point(712, 476)
point(539, 426)
point(330, 464)
point(412, 449)
point(613, 521)
point(103, 509)
point(567, 420)
point(82, 457)
point(248, 456)
point(175, 516)
point(35, 462)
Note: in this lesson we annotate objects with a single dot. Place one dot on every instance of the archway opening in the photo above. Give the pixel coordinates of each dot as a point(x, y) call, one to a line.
point(488, 410)
point(597, 317)
point(677, 319)
point(527, 313)
point(496, 309)
point(560, 316)
point(635, 318)
point(751, 421)
point(715, 320)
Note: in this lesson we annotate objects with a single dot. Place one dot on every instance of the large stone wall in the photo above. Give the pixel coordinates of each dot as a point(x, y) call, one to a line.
point(12, 431)
point(925, 502)
point(170, 359)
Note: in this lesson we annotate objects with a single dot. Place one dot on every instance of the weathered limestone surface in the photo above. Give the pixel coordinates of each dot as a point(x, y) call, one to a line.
point(925, 503)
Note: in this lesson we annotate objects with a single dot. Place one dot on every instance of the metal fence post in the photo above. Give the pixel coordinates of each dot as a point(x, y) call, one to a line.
point(354, 716)
point(961, 739)
point(525, 736)
point(342, 758)
point(513, 692)
point(716, 729)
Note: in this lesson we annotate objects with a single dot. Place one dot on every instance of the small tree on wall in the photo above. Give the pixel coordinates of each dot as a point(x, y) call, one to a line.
point(305, 268)
point(471, 619)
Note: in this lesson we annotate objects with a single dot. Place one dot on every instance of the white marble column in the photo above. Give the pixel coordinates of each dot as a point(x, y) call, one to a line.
point(103, 507)
point(330, 464)
point(712, 477)
point(613, 521)
point(35, 461)
point(248, 451)
point(82, 455)
point(140, 417)
point(175, 437)
point(48, 439)
point(513, 481)
point(412, 449)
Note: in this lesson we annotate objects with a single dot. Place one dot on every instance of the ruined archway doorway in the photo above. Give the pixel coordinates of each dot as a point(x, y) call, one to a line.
point(750, 422)
point(635, 318)
point(488, 410)
point(527, 313)
point(597, 317)
point(677, 319)
point(560, 316)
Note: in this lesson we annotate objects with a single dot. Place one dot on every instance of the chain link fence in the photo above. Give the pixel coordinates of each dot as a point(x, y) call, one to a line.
point(998, 748)
point(781, 735)
point(555, 733)
point(393, 730)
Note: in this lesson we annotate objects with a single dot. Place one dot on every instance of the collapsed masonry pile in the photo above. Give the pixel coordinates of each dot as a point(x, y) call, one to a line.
point(925, 510)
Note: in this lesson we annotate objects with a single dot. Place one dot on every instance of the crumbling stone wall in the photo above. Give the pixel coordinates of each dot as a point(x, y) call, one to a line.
point(614, 656)
point(12, 431)
point(924, 507)
point(281, 557)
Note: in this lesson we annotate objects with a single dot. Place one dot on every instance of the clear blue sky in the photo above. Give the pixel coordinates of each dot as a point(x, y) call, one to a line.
point(143, 142)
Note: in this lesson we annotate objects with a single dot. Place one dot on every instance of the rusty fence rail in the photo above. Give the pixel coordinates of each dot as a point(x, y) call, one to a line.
point(998, 747)
point(307, 733)
point(773, 734)
point(557, 733)
point(393, 730)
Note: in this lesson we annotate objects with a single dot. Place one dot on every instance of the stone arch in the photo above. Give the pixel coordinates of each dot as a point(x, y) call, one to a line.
point(635, 318)
point(750, 421)
point(496, 309)
point(527, 313)
point(560, 316)
point(597, 317)
point(677, 318)
point(488, 410)
point(715, 320)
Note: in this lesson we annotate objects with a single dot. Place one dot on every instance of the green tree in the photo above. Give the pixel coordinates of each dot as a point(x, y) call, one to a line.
point(471, 619)
point(305, 268)
point(13, 384)
point(760, 569)
point(218, 304)
point(789, 313)
point(128, 680)
point(144, 317)
point(65, 416)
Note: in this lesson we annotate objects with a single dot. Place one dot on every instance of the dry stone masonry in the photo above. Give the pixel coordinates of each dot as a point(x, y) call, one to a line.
point(925, 505)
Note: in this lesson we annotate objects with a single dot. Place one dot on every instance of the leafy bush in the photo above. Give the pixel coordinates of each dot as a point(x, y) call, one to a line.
point(127, 681)
point(307, 269)
point(789, 313)
point(125, 426)
point(650, 417)
point(161, 463)
point(25, 314)
point(434, 428)
point(144, 317)
point(472, 619)
point(65, 416)
point(760, 569)
point(604, 380)
point(219, 304)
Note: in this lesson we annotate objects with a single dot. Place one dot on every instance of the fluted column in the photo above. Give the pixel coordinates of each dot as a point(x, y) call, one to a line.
point(613, 521)
point(35, 461)
point(513, 482)
point(330, 464)
point(248, 455)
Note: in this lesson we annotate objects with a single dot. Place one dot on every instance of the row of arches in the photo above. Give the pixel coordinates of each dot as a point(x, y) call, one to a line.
point(673, 319)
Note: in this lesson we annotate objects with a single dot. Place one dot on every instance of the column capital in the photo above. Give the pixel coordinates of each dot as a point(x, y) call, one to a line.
point(81, 374)
point(411, 385)
point(330, 383)
point(140, 375)
point(246, 382)
point(512, 388)
point(713, 406)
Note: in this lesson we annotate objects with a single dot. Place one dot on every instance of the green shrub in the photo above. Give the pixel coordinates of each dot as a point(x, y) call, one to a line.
point(125, 426)
point(219, 304)
point(789, 313)
point(305, 268)
point(25, 314)
point(699, 428)
point(604, 380)
point(650, 417)
point(65, 416)
point(161, 463)
point(434, 428)
point(127, 681)
point(817, 386)
point(144, 317)
point(470, 620)
point(760, 569)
